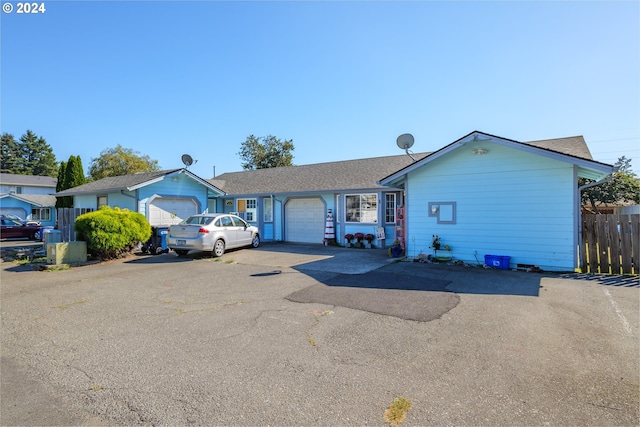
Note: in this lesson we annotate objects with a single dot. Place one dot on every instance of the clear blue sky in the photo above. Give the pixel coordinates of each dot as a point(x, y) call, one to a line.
point(341, 79)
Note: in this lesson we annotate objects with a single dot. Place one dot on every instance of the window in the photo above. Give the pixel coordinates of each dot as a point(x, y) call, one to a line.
point(390, 208)
point(267, 209)
point(247, 209)
point(43, 214)
point(102, 201)
point(239, 223)
point(361, 208)
point(18, 190)
point(224, 221)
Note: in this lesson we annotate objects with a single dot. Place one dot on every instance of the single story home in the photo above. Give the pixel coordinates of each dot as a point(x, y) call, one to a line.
point(482, 195)
point(29, 197)
point(488, 195)
point(164, 197)
point(292, 203)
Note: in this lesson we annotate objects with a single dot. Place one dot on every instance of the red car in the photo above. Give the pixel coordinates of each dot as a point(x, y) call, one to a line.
point(11, 229)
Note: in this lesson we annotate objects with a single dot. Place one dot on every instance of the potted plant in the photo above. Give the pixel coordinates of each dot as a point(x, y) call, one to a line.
point(359, 237)
point(348, 237)
point(435, 243)
point(395, 249)
point(369, 238)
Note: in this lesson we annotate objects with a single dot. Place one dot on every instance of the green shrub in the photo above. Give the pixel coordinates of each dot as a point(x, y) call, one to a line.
point(112, 233)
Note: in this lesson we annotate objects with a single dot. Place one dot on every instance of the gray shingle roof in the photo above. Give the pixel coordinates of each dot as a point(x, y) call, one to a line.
point(42, 200)
point(347, 175)
point(115, 183)
point(332, 176)
point(572, 145)
point(28, 180)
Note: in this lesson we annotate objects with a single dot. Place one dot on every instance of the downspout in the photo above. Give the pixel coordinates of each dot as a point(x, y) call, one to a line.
point(273, 219)
point(580, 189)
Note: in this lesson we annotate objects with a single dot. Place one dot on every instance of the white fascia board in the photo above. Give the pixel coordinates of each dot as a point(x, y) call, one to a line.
point(587, 167)
point(202, 181)
point(144, 184)
point(21, 199)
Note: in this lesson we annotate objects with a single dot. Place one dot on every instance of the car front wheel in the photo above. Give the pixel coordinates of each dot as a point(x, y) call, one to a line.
point(255, 242)
point(218, 248)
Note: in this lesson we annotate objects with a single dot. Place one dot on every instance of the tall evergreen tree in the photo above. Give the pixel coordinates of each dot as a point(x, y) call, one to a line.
point(71, 175)
point(74, 175)
point(62, 202)
point(37, 155)
point(10, 154)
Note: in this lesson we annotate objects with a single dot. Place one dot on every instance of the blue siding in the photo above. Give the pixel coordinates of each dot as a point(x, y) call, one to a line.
point(267, 232)
point(122, 201)
point(184, 187)
point(508, 202)
point(85, 201)
point(10, 202)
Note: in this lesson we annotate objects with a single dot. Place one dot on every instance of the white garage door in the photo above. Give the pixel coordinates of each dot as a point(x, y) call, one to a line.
point(304, 220)
point(14, 211)
point(167, 211)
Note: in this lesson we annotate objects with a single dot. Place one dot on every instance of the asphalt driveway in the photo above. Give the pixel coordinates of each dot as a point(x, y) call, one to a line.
point(274, 337)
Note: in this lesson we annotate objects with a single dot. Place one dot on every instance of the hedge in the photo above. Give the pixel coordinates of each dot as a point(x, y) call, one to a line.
point(112, 233)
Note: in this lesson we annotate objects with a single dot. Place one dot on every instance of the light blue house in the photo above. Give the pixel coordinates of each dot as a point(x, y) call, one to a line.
point(163, 197)
point(487, 195)
point(29, 197)
point(292, 203)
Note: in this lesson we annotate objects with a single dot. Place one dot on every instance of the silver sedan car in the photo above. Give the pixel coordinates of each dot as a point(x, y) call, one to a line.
point(212, 232)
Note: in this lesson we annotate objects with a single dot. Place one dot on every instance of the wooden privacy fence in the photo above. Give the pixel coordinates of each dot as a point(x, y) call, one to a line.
point(610, 244)
point(67, 220)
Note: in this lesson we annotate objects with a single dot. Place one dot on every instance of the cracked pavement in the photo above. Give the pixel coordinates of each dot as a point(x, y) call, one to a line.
point(195, 341)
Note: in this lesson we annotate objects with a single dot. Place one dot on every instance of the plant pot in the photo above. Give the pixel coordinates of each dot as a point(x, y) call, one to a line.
point(395, 251)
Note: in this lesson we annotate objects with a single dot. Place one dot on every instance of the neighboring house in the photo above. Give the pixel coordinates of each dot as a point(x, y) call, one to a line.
point(163, 197)
point(292, 203)
point(487, 195)
point(29, 197)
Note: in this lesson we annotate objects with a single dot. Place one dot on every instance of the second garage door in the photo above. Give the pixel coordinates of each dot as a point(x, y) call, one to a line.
point(304, 220)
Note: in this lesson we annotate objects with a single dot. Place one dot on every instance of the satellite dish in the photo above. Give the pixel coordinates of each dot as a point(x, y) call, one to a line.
point(187, 160)
point(405, 141)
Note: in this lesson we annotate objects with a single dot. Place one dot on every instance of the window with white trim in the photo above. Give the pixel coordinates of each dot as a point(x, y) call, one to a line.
point(247, 209)
point(41, 214)
point(267, 209)
point(390, 208)
point(361, 208)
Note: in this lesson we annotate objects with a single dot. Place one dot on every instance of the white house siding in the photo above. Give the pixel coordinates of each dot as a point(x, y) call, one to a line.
point(508, 202)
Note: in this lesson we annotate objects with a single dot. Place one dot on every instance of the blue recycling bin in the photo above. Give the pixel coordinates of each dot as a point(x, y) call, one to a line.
point(162, 234)
point(157, 243)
